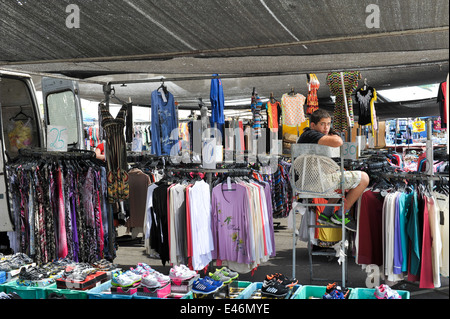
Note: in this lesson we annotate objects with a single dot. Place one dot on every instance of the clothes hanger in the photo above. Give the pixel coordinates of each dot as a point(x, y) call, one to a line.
point(17, 117)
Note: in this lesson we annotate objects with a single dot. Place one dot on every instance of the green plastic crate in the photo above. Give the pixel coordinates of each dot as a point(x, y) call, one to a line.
point(25, 292)
point(68, 293)
point(367, 293)
point(313, 292)
point(247, 293)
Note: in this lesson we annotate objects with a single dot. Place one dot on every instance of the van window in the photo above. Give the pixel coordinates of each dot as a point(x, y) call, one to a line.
point(18, 116)
point(61, 111)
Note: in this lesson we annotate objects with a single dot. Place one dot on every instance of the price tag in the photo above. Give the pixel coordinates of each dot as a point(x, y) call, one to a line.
point(57, 138)
point(350, 150)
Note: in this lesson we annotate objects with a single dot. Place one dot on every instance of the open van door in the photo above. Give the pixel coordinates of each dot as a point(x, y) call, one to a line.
point(20, 127)
point(62, 108)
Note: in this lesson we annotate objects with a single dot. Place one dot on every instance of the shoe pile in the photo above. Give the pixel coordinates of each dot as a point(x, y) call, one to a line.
point(15, 261)
point(277, 285)
point(385, 292)
point(333, 291)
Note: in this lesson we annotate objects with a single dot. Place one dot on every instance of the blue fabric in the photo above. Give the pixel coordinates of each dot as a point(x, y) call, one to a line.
point(217, 102)
point(164, 126)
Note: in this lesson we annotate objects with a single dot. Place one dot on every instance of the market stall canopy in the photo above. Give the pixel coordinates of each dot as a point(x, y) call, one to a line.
point(268, 44)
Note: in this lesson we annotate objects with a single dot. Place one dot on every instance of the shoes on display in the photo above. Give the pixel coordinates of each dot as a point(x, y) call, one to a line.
point(282, 279)
point(229, 273)
point(162, 279)
point(135, 278)
point(119, 279)
point(219, 276)
point(181, 272)
point(350, 224)
point(142, 268)
point(150, 281)
point(333, 291)
point(202, 286)
point(213, 282)
point(273, 288)
point(385, 292)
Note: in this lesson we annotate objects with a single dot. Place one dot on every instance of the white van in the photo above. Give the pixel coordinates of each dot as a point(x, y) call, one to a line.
point(23, 126)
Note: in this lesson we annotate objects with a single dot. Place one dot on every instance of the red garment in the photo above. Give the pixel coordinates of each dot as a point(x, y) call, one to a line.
point(370, 231)
point(426, 267)
point(188, 229)
point(101, 147)
point(63, 250)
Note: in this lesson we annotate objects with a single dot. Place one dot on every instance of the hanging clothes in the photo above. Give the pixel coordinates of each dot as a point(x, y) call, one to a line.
point(312, 101)
point(255, 107)
point(164, 127)
point(442, 100)
point(217, 103)
point(58, 208)
point(116, 153)
point(351, 79)
point(292, 109)
point(366, 98)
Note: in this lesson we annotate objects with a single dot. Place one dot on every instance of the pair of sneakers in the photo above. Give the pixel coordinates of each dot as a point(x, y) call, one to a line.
point(335, 219)
point(206, 286)
point(125, 279)
point(385, 292)
point(333, 291)
point(181, 272)
point(273, 288)
point(224, 275)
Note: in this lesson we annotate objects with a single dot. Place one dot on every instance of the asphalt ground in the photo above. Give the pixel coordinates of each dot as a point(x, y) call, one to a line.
point(130, 252)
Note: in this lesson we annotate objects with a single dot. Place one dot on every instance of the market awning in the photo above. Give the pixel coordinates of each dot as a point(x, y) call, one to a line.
point(267, 44)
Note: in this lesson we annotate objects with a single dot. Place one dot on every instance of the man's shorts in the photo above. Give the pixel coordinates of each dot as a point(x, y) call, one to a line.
point(351, 179)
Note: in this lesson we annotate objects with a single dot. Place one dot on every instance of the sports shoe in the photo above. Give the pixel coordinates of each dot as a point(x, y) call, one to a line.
point(202, 286)
point(162, 279)
point(213, 282)
point(218, 275)
point(119, 279)
point(181, 273)
point(385, 292)
point(150, 281)
point(135, 278)
point(229, 273)
point(333, 291)
point(325, 220)
point(349, 222)
point(273, 288)
point(142, 268)
point(282, 279)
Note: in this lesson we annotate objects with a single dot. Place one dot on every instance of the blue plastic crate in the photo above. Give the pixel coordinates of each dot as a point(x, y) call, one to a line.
point(103, 291)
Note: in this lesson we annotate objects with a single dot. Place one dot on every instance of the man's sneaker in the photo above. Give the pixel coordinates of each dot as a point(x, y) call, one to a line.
point(119, 279)
point(150, 281)
point(202, 286)
point(333, 291)
point(218, 275)
point(229, 273)
point(282, 279)
point(325, 220)
point(350, 224)
point(213, 282)
point(273, 288)
point(385, 292)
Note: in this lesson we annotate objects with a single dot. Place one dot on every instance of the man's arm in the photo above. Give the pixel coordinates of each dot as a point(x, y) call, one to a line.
point(331, 140)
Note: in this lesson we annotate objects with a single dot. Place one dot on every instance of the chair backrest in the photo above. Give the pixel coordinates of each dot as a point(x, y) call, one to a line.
point(315, 149)
point(313, 168)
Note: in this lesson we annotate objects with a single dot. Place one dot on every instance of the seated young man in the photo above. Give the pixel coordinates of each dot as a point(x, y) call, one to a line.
point(355, 182)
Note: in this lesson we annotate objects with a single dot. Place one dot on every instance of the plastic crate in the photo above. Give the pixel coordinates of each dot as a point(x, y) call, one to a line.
point(313, 292)
point(367, 293)
point(68, 293)
point(103, 291)
point(25, 292)
point(256, 286)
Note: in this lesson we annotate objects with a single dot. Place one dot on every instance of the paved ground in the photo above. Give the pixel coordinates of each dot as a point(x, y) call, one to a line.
point(132, 252)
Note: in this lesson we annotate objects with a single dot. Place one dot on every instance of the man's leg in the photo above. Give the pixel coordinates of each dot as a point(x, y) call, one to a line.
point(353, 194)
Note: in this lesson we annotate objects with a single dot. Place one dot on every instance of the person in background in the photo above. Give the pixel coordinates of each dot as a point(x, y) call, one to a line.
point(100, 151)
point(355, 182)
